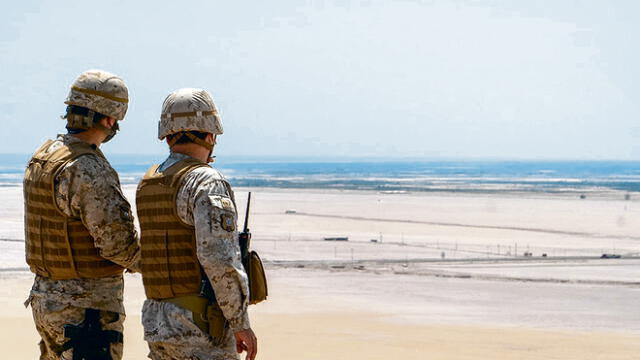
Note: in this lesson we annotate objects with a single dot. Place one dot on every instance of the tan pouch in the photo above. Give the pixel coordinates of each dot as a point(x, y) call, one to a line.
point(217, 323)
point(197, 305)
point(258, 291)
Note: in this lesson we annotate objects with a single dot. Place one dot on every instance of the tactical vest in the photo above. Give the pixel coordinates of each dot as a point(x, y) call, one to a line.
point(58, 247)
point(169, 261)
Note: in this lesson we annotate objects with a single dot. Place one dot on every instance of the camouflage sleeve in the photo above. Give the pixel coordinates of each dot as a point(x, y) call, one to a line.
point(205, 201)
point(89, 188)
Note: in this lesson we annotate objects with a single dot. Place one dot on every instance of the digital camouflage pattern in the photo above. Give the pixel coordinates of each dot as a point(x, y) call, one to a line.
point(189, 110)
point(204, 206)
point(88, 188)
point(102, 293)
point(50, 316)
point(172, 335)
point(101, 92)
point(202, 200)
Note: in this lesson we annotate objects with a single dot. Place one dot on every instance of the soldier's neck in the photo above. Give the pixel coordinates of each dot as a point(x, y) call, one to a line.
point(90, 136)
point(193, 150)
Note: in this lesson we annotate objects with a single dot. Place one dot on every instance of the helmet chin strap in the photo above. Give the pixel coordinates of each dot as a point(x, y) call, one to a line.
point(111, 132)
point(198, 141)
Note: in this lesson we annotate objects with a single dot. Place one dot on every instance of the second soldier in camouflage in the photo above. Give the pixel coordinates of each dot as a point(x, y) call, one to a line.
point(189, 243)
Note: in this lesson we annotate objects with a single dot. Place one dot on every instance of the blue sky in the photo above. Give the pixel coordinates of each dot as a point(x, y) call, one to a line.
point(387, 79)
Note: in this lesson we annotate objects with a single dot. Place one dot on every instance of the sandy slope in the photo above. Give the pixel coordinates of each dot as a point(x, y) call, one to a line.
point(364, 335)
point(335, 330)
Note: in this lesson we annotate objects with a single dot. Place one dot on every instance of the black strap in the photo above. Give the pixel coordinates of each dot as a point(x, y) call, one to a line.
point(88, 340)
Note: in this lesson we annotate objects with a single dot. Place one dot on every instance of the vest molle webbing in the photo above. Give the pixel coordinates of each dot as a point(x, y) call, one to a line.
point(169, 260)
point(58, 246)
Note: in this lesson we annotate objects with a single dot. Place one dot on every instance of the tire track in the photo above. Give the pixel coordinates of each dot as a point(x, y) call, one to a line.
point(491, 227)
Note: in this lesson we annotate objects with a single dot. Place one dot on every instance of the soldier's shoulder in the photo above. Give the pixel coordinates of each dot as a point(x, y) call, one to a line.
point(92, 161)
point(208, 173)
point(208, 180)
point(91, 165)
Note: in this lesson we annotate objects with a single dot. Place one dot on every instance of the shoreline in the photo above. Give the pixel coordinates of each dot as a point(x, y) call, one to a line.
point(598, 193)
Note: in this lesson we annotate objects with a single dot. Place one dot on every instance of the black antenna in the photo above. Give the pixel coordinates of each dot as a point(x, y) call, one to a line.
point(246, 215)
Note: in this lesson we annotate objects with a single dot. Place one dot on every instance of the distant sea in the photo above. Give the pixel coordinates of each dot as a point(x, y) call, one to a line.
point(392, 176)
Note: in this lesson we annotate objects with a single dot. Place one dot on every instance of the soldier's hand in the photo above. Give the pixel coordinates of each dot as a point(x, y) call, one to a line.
point(246, 341)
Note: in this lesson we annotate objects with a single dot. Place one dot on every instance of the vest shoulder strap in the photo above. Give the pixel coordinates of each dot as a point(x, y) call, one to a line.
point(186, 168)
point(173, 175)
point(65, 152)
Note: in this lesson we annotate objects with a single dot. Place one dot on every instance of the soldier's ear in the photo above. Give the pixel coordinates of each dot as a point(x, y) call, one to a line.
point(108, 122)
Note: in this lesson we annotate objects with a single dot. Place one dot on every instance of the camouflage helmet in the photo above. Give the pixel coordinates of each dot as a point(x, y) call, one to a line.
point(189, 110)
point(101, 92)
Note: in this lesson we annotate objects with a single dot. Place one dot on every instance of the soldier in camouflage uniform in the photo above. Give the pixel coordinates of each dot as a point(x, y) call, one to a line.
point(79, 230)
point(189, 242)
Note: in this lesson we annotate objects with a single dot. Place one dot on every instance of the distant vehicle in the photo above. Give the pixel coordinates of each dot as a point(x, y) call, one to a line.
point(290, 211)
point(374, 240)
point(337, 238)
point(610, 256)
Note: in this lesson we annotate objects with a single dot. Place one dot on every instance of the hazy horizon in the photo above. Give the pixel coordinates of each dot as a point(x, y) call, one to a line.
point(337, 159)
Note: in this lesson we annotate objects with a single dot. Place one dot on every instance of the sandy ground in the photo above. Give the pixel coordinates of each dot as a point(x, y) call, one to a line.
point(341, 300)
point(299, 323)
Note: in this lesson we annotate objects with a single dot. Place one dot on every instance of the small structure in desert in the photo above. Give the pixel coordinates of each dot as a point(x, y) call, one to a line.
point(337, 238)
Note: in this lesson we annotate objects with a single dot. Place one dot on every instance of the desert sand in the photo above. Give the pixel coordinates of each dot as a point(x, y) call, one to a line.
point(442, 281)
